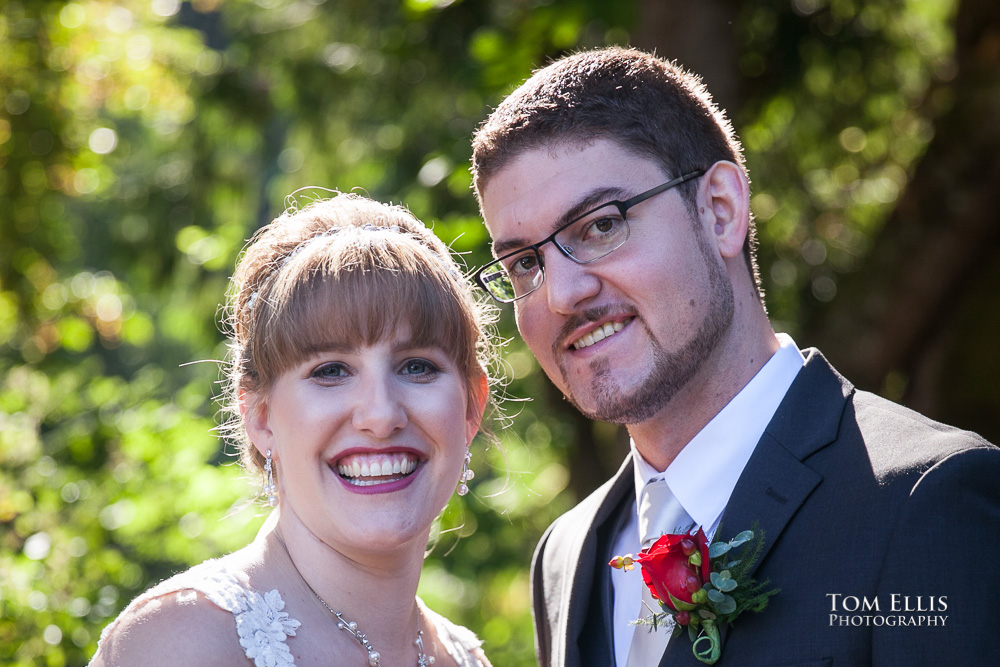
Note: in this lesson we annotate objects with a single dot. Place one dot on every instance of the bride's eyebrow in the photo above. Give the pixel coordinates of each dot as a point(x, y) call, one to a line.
point(416, 346)
point(325, 348)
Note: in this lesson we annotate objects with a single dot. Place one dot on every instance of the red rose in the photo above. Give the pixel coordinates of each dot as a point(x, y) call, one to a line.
point(667, 568)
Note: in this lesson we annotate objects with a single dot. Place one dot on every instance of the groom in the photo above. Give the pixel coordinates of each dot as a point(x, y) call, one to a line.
point(617, 199)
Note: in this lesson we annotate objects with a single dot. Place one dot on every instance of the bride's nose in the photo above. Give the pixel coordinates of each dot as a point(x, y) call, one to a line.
point(378, 409)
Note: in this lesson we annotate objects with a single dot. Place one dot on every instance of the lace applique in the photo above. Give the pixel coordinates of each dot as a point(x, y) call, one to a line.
point(461, 643)
point(261, 624)
point(262, 628)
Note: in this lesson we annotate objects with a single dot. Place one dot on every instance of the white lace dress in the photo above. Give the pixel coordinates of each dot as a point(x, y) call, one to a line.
point(263, 627)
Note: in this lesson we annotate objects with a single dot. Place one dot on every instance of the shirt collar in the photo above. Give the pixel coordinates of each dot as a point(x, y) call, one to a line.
point(703, 475)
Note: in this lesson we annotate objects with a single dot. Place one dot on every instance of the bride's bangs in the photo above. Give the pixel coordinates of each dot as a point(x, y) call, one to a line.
point(354, 292)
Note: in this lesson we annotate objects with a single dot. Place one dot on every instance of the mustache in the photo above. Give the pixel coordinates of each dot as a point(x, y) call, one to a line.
point(577, 320)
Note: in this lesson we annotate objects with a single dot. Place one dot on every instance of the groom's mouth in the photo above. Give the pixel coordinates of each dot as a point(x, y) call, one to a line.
point(375, 468)
point(595, 334)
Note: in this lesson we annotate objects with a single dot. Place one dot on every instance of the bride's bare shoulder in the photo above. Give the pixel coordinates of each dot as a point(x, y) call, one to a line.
point(178, 628)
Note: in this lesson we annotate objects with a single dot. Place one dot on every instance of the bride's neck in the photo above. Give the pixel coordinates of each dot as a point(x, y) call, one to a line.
point(376, 591)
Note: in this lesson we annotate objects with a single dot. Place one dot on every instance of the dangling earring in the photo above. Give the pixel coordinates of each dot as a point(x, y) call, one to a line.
point(466, 475)
point(271, 490)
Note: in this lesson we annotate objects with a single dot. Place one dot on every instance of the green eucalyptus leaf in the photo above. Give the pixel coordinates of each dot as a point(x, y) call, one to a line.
point(742, 538)
point(726, 606)
point(724, 581)
point(706, 614)
point(717, 549)
point(716, 597)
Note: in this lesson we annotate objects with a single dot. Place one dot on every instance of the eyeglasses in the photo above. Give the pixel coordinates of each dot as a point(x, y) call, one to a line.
point(584, 239)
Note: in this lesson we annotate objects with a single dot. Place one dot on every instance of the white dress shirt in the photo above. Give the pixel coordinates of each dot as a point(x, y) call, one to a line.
point(703, 475)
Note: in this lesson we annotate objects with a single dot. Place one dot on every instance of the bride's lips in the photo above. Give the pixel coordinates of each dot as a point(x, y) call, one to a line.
point(368, 471)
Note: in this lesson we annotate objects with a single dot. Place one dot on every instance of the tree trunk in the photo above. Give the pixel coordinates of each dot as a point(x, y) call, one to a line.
point(680, 31)
point(894, 326)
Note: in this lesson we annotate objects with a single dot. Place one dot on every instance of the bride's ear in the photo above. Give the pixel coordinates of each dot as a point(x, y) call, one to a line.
point(479, 392)
point(254, 411)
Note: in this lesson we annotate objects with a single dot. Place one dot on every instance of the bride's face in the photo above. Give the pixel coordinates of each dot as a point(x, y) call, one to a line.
point(368, 441)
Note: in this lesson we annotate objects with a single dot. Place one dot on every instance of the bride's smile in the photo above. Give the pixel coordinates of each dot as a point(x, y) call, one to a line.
point(376, 471)
point(367, 439)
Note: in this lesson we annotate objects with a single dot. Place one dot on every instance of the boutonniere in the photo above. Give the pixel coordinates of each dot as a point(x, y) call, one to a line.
point(700, 585)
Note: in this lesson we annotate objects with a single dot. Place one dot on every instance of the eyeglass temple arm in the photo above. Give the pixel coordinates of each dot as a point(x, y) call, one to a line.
point(638, 199)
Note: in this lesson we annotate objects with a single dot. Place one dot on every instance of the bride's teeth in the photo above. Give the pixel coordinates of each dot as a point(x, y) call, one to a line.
point(393, 465)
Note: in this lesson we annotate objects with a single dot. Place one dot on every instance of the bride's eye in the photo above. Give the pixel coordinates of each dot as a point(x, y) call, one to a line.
point(332, 371)
point(419, 368)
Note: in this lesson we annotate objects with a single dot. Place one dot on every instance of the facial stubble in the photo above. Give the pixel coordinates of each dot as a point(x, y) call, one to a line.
point(671, 371)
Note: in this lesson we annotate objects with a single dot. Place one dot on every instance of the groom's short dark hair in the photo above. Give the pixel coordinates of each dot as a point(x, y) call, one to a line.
point(650, 106)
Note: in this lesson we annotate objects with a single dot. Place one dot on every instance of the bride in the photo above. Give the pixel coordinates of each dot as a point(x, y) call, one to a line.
point(356, 384)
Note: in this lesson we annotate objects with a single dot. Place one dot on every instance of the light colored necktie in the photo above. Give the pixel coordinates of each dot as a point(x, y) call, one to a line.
point(660, 513)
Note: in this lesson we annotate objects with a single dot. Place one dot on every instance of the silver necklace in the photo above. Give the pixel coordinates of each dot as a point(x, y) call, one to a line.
point(350, 627)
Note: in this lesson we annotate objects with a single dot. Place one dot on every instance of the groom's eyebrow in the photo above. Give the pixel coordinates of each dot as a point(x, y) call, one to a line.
point(590, 200)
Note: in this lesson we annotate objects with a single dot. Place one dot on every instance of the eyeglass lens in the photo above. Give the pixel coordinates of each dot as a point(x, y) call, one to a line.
point(591, 237)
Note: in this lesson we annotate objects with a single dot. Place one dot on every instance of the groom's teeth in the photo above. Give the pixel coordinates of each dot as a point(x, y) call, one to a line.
point(598, 334)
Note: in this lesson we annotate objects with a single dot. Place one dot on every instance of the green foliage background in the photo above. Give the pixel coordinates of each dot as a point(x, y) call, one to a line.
point(142, 141)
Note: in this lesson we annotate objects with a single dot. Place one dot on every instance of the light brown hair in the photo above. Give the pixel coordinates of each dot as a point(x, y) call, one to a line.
point(350, 271)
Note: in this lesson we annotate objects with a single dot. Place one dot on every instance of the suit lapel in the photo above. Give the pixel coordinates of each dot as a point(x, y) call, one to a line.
point(584, 570)
point(775, 482)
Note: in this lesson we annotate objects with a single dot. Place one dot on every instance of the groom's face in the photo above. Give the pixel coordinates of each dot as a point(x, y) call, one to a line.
point(622, 335)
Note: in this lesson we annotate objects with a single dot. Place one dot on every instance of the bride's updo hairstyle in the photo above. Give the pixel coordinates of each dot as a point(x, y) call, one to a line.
point(348, 271)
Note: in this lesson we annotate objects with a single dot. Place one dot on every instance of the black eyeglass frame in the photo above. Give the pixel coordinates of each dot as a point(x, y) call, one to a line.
point(622, 206)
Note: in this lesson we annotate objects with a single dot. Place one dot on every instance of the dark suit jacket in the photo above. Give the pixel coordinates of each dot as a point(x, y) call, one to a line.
point(857, 496)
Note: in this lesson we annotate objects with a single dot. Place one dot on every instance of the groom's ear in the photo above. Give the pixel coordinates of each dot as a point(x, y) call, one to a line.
point(724, 207)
